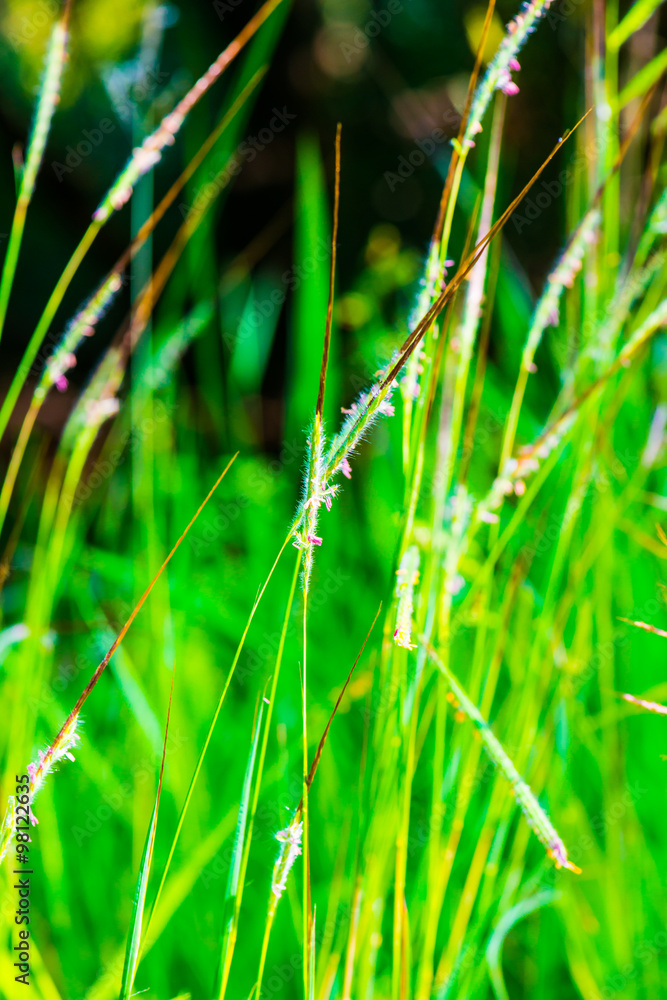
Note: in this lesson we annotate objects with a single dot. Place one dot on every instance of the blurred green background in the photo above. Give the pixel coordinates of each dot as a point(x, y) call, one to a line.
point(245, 309)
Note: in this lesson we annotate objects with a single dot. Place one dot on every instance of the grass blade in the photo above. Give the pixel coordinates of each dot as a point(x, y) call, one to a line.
point(134, 935)
point(233, 892)
point(635, 18)
point(46, 106)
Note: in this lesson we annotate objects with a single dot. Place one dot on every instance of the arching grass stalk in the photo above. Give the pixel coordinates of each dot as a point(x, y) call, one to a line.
point(99, 401)
point(433, 352)
point(436, 264)
point(63, 477)
point(34, 344)
point(376, 401)
point(84, 324)
point(515, 471)
point(97, 404)
point(292, 836)
point(546, 314)
point(446, 197)
point(452, 413)
point(49, 96)
point(68, 737)
point(149, 153)
point(52, 542)
point(112, 368)
point(497, 77)
point(142, 160)
point(467, 265)
point(530, 807)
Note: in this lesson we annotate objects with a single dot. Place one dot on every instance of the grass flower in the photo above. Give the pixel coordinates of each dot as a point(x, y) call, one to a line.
point(646, 626)
point(316, 493)
point(563, 275)
point(344, 468)
point(321, 496)
point(360, 417)
point(146, 156)
point(66, 741)
point(46, 106)
point(8, 827)
point(407, 578)
point(81, 327)
point(61, 748)
point(535, 815)
point(290, 849)
point(498, 74)
point(515, 471)
point(431, 864)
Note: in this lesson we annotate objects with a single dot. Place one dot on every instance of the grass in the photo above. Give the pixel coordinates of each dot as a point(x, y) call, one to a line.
point(450, 797)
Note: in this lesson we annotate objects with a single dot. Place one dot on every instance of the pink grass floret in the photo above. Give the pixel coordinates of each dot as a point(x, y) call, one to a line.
point(558, 853)
point(650, 706)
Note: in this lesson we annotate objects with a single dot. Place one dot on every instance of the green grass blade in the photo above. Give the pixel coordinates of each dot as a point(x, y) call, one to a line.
point(643, 80)
point(637, 16)
point(232, 893)
point(503, 927)
point(311, 958)
point(311, 289)
point(134, 935)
